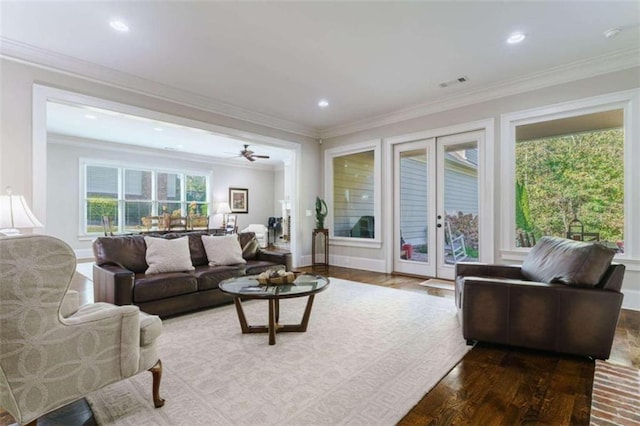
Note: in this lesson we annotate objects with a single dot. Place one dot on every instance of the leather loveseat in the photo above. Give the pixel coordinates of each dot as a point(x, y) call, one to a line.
point(119, 274)
point(564, 298)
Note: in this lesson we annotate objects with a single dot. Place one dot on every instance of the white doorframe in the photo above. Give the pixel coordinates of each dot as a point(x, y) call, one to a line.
point(486, 177)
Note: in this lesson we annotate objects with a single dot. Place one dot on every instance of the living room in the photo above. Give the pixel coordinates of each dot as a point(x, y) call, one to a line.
point(487, 111)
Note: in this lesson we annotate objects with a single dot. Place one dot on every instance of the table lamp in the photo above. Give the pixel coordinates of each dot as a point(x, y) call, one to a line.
point(224, 209)
point(15, 213)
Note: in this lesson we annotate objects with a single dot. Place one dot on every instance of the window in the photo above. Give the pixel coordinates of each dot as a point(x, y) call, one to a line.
point(572, 185)
point(354, 191)
point(569, 167)
point(127, 194)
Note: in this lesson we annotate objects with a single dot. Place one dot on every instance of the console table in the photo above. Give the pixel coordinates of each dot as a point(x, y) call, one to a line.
point(320, 238)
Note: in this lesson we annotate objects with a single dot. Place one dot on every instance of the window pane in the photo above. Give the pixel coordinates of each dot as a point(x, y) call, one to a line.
point(198, 209)
point(168, 187)
point(414, 205)
point(101, 196)
point(196, 188)
point(137, 185)
point(461, 202)
point(571, 186)
point(134, 211)
point(173, 209)
point(102, 182)
point(353, 195)
point(98, 207)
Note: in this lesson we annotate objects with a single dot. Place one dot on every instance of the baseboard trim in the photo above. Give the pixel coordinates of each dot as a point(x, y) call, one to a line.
point(349, 262)
point(84, 255)
point(631, 299)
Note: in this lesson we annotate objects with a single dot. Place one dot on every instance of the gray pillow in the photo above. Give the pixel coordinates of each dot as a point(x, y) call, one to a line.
point(559, 260)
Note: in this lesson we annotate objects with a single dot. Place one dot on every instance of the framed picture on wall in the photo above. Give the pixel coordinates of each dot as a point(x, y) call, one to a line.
point(239, 200)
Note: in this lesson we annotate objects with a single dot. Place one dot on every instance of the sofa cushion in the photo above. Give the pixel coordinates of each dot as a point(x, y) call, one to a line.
point(196, 248)
point(559, 260)
point(223, 250)
point(168, 255)
point(209, 277)
point(160, 286)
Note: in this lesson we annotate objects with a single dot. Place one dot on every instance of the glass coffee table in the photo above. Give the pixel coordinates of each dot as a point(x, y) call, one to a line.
point(244, 288)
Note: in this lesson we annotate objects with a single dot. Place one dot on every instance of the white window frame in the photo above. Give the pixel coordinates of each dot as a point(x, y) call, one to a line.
point(629, 102)
point(155, 203)
point(329, 155)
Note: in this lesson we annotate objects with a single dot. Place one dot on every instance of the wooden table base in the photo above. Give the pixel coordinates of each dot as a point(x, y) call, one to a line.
point(274, 316)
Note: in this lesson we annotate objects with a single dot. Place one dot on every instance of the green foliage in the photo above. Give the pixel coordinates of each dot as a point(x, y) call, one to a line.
point(579, 175)
point(523, 211)
point(98, 207)
point(321, 212)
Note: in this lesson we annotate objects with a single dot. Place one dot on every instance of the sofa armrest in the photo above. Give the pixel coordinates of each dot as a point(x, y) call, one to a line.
point(476, 269)
point(113, 284)
point(280, 258)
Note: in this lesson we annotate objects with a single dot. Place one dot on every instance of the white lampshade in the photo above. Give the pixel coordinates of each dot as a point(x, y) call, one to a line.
point(15, 213)
point(223, 208)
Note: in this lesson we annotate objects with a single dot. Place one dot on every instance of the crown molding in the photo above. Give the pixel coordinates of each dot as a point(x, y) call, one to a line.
point(611, 62)
point(42, 58)
point(46, 59)
point(150, 153)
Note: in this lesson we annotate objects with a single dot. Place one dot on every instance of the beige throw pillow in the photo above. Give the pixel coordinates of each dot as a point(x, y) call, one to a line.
point(168, 255)
point(223, 250)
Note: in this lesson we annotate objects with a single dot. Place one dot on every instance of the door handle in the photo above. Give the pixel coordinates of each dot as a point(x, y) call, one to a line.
point(439, 225)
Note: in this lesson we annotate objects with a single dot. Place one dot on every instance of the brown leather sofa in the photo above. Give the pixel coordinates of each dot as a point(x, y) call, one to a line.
point(119, 274)
point(564, 298)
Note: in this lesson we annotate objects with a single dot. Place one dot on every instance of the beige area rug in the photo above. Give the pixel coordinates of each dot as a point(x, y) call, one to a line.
point(615, 398)
point(437, 283)
point(85, 269)
point(369, 355)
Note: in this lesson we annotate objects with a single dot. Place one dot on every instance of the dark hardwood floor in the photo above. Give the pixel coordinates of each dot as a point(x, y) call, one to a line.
point(491, 385)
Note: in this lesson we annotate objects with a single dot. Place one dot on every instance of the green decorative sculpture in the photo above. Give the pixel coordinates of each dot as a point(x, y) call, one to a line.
point(321, 212)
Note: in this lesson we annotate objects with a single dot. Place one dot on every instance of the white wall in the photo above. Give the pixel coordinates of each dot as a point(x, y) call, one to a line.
point(16, 94)
point(603, 84)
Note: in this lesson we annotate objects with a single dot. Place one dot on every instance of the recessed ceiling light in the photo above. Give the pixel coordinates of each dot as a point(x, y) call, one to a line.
point(323, 103)
point(612, 32)
point(119, 25)
point(516, 37)
point(158, 129)
point(90, 116)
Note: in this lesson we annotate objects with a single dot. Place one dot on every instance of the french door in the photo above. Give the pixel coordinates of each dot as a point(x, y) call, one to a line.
point(436, 204)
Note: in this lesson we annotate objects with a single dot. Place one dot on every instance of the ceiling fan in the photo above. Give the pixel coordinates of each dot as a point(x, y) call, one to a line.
point(249, 155)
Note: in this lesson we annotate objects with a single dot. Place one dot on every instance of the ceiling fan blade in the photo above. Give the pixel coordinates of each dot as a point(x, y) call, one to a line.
point(260, 156)
point(250, 158)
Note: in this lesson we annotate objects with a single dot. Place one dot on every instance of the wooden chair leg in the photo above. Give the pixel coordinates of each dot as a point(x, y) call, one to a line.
point(156, 371)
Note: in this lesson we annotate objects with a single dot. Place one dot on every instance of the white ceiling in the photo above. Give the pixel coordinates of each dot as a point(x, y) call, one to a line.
point(277, 59)
point(120, 128)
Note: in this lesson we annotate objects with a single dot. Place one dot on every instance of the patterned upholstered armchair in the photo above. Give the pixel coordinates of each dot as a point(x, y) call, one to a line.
point(53, 352)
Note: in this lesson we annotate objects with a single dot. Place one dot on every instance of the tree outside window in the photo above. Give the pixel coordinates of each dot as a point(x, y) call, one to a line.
point(578, 176)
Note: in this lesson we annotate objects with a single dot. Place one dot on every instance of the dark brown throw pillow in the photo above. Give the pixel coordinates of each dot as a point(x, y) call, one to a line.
point(560, 260)
point(250, 249)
